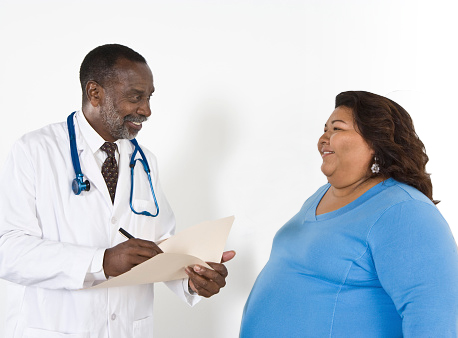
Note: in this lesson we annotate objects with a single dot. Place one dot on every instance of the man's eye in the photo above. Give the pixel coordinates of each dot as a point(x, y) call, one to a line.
point(335, 128)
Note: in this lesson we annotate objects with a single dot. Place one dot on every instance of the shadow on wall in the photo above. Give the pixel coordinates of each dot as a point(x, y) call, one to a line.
point(200, 186)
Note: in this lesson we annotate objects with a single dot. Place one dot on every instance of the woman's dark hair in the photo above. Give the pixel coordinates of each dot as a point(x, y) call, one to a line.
point(389, 130)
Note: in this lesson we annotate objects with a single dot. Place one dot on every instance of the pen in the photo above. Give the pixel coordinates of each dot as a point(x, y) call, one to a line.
point(129, 236)
point(125, 233)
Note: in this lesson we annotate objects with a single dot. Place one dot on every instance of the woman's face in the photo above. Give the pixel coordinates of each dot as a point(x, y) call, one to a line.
point(346, 155)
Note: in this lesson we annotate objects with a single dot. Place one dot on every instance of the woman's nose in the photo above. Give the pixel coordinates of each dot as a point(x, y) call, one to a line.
point(324, 139)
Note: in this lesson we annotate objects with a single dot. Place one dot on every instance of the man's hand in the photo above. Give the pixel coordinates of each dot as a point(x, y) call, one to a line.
point(124, 256)
point(206, 282)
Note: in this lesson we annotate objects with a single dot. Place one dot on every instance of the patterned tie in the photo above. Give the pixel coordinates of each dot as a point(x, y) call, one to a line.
point(110, 168)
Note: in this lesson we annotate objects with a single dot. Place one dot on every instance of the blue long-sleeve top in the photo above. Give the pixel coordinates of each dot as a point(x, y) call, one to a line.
point(385, 265)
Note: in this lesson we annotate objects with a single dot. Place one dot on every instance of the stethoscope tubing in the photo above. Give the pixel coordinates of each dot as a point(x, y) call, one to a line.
point(78, 185)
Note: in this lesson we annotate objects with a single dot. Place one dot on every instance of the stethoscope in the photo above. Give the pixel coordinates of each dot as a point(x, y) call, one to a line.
point(79, 185)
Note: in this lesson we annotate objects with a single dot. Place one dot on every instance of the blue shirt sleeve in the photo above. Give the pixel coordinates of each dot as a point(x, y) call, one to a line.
point(416, 260)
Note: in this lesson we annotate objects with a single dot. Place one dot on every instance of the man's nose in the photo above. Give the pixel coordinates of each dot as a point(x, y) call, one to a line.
point(144, 109)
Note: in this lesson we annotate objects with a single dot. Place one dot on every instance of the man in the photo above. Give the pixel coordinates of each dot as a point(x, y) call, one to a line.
point(54, 242)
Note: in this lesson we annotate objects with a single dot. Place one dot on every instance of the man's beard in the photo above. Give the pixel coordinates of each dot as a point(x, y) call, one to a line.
point(115, 123)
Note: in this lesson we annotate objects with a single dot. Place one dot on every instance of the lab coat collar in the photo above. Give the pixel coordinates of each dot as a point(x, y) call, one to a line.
point(88, 143)
point(93, 139)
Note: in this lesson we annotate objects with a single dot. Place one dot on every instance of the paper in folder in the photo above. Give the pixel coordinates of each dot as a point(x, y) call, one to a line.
point(198, 244)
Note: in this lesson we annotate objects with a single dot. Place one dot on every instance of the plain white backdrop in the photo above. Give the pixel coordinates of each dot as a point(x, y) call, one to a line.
point(243, 89)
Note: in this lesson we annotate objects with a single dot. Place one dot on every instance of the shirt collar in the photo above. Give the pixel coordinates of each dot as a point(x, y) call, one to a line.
point(92, 138)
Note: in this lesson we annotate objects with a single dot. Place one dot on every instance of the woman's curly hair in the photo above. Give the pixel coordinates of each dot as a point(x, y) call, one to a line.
point(389, 130)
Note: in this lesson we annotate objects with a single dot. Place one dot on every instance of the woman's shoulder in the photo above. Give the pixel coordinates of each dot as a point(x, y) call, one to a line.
point(404, 208)
point(395, 192)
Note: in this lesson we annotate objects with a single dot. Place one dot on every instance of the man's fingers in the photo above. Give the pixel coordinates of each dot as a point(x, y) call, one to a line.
point(142, 248)
point(227, 256)
point(208, 281)
point(219, 269)
point(201, 292)
point(126, 255)
point(203, 285)
point(136, 259)
point(145, 244)
point(217, 275)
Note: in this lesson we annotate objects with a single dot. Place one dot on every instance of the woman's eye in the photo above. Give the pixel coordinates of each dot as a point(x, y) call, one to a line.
point(335, 128)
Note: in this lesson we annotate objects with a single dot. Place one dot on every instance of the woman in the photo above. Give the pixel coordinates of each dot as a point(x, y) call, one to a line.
point(369, 254)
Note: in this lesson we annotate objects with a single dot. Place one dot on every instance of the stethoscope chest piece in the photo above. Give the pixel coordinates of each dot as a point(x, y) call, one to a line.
point(78, 185)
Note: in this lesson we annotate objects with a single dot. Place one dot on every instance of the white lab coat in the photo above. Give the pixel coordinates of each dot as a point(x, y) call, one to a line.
point(51, 238)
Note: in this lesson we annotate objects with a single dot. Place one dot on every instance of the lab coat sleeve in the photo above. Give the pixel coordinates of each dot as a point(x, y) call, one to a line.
point(96, 271)
point(25, 257)
point(416, 260)
point(180, 288)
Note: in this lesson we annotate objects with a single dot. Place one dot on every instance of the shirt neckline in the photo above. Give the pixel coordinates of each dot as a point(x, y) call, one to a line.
point(352, 205)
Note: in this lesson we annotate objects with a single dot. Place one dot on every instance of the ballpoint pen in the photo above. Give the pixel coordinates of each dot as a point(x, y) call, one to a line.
point(125, 233)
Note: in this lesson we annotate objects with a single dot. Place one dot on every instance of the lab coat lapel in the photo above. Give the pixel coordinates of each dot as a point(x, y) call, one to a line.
point(91, 170)
point(123, 186)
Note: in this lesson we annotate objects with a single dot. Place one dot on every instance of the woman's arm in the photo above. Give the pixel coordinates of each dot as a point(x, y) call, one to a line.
point(416, 260)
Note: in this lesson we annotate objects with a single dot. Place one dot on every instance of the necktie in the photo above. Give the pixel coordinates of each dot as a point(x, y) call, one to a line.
point(110, 168)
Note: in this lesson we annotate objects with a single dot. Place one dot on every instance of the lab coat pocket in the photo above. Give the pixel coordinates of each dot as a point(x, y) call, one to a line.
point(40, 333)
point(143, 327)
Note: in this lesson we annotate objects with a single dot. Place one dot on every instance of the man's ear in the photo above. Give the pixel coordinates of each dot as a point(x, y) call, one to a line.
point(94, 93)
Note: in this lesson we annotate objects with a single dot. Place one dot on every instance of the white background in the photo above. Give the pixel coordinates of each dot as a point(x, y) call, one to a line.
point(243, 89)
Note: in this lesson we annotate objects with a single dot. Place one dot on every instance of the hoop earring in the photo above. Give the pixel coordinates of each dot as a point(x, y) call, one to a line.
point(375, 167)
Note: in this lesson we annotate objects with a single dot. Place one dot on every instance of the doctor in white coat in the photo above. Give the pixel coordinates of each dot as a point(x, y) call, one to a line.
point(53, 243)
